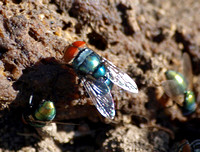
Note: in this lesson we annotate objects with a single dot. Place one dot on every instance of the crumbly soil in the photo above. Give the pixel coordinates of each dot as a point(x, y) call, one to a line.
point(143, 38)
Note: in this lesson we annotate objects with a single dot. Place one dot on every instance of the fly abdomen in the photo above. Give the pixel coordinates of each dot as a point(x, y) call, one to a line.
point(100, 71)
point(109, 83)
point(189, 104)
point(46, 111)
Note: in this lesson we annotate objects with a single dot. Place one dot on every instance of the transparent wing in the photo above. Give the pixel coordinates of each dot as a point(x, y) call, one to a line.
point(101, 97)
point(172, 89)
point(120, 78)
point(187, 70)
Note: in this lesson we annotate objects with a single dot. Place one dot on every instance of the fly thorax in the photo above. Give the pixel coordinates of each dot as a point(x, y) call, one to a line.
point(86, 62)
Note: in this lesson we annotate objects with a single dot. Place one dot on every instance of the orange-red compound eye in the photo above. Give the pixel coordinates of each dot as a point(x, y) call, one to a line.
point(79, 44)
point(73, 50)
point(70, 53)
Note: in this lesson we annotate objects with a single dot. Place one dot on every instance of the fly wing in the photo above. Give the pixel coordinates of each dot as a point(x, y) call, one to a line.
point(101, 96)
point(187, 70)
point(120, 78)
point(171, 88)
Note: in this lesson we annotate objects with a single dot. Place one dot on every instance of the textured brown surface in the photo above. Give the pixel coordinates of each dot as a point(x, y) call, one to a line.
point(143, 38)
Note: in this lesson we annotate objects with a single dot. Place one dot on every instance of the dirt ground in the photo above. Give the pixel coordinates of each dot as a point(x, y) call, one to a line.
point(143, 38)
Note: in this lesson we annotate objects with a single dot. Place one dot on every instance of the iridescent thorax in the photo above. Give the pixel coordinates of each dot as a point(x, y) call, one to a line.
point(178, 77)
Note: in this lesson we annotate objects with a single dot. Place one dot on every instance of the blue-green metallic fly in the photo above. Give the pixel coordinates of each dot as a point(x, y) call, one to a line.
point(178, 86)
point(41, 115)
point(98, 76)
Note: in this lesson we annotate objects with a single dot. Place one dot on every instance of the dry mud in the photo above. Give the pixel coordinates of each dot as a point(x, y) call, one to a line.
point(143, 38)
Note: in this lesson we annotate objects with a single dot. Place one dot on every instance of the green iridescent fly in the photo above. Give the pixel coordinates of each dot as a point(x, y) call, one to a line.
point(178, 86)
point(41, 115)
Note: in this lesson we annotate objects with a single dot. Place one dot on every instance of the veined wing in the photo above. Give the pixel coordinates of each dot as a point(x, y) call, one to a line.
point(173, 90)
point(187, 70)
point(100, 94)
point(120, 78)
